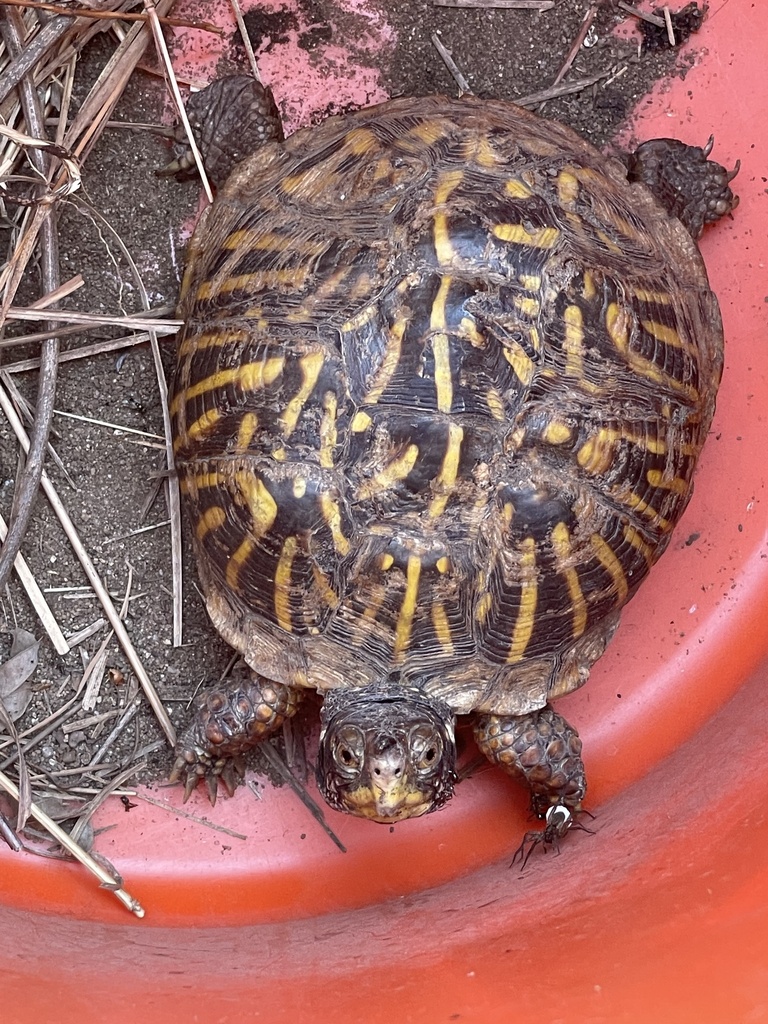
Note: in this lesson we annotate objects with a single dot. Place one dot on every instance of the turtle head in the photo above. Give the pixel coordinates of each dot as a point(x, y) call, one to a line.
point(386, 752)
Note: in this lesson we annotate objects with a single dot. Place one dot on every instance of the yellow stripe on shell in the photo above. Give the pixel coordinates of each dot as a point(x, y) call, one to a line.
point(527, 305)
point(607, 558)
point(538, 238)
point(260, 280)
point(326, 591)
point(328, 432)
point(404, 623)
point(573, 343)
point(210, 339)
point(259, 501)
point(484, 604)
point(246, 432)
point(468, 329)
point(495, 403)
point(667, 335)
point(521, 363)
point(561, 541)
point(299, 487)
point(282, 585)
point(638, 504)
point(449, 471)
point(246, 377)
point(531, 282)
point(390, 360)
point(567, 187)
point(200, 482)
point(617, 321)
point(211, 519)
point(442, 626)
point(361, 141)
point(517, 189)
point(255, 239)
point(202, 425)
point(478, 150)
point(396, 470)
point(557, 432)
point(676, 484)
point(310, 366)
point(639, 543)
point(441, 347)
point(332, 516)
point(526, 616)
point(236, 561)
point(360, 422)
point(446, 184)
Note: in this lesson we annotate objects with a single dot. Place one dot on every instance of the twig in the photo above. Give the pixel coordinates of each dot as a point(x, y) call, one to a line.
point(36, 599)
point(70, 316)
point(449, 62)
point(95, 580)
point(106, 880)
point(277, 762)
point(178, 812)
point(125, 719)
point(564, 89)
point(165, 57)
point(586, 24)
point(652, 19)
point(503, 5)
point(670, 29)
point(28, 482)
point(246, 40)
point(89, 12)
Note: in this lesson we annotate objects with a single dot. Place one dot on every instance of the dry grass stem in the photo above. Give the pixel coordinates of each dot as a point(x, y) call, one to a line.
point(61, 837)
point(75, 639)
point(670, 29)
point(70, 286)
point(85, 352)
point(650, 18)
point(502, 5)
point(177, 812)
point(241, 28)
point(314, 809)
point(95, 580)
point(567, 88)
point(71, 316)
point(88, 12)
point(449, 62)
point(97, 107)
point(36, 599)
point(165, 58)
point(577, 43)
point(117, 427)
point(135, 533)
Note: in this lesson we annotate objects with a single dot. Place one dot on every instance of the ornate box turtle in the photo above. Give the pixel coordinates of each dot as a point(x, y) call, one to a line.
point(444, 378)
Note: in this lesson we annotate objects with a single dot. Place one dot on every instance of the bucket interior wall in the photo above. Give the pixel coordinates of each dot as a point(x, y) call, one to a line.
point(661, 914)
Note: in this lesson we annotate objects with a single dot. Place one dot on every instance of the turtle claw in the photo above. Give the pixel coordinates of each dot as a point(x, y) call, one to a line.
point(212, 788)
point(558, 820)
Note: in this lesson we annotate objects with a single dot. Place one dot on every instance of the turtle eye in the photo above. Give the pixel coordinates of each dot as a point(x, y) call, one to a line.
point(427, 749)
point(347, 750)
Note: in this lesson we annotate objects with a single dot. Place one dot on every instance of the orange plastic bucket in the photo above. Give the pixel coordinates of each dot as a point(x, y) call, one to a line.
point(661, 915)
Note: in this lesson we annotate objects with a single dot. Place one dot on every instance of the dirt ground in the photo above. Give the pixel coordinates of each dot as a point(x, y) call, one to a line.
point(113, 471)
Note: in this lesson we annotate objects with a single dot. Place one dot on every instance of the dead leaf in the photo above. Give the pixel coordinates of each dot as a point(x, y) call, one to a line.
point(16, 673)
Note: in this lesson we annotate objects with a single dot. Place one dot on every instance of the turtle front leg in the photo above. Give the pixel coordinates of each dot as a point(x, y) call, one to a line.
point(231, 718)
point(544, 751)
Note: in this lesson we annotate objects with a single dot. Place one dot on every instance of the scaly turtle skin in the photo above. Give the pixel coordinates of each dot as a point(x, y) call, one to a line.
point(444, 378)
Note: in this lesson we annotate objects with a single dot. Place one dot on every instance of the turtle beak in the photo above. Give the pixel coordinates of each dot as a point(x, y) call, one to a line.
point(393, 793)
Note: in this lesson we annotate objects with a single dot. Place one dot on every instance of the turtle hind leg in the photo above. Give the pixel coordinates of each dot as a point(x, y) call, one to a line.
point(544, 751)
point(231, 718)
point(684, 181)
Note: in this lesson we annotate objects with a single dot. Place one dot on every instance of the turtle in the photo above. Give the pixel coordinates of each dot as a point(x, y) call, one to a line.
point(445, 373)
